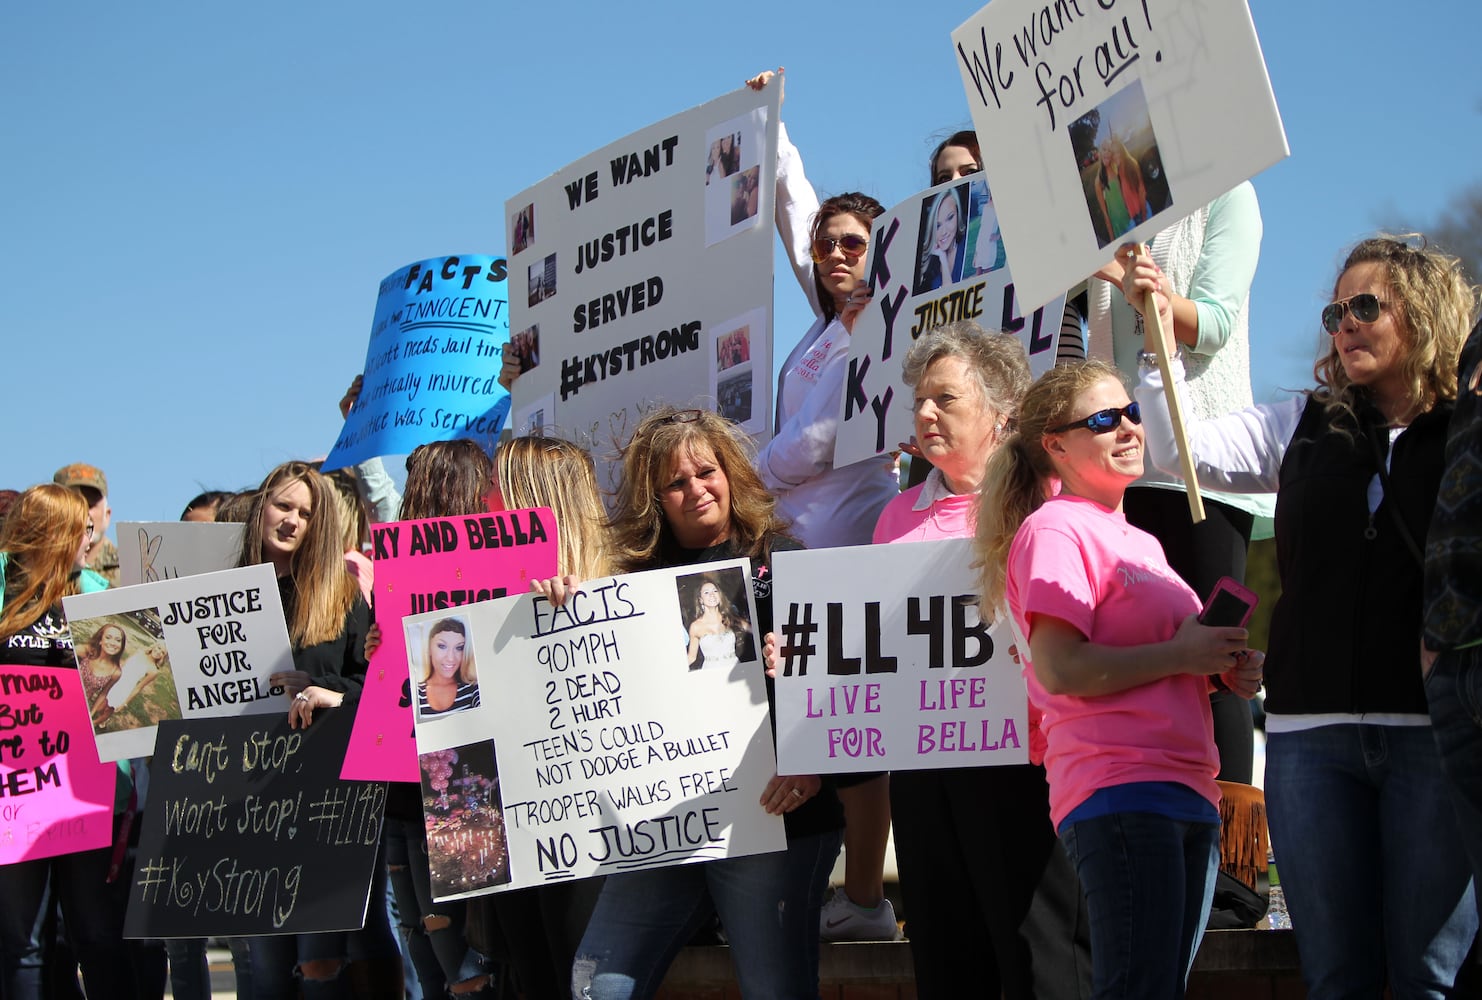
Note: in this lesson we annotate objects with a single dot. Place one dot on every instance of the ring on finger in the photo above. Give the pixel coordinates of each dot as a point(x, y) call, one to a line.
point(798, 792)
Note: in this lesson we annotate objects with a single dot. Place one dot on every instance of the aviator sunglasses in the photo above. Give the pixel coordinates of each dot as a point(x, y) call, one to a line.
point(1365, 307)
point(1103, 420)
point(852, 244)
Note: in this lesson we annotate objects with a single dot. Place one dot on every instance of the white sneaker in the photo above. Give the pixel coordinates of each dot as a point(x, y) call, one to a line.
point(844, 920)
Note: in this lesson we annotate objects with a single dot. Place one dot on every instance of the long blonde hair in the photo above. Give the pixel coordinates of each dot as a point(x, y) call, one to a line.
point(325, 589)
point(537, 471)
point(41, 535)
point(1019, 474)
point(1434, 308)
point(467, 672)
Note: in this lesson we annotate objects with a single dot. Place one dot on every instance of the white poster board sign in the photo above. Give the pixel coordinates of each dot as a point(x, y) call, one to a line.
point(935, 258)
point(189, 648)
point(149, 551)
point(892, 669)
point(642, 274)
point(561, 743)
point(1105, 122)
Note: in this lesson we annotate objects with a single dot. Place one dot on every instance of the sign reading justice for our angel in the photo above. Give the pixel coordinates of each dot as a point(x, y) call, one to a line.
point(194, 647)
point(1106, 121)
point(620, 740)
point(893, 670)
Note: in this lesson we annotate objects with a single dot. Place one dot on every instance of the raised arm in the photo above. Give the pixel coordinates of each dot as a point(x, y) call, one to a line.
point(795, 203)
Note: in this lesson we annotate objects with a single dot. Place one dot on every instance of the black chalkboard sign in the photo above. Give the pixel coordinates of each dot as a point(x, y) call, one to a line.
point(249, 830)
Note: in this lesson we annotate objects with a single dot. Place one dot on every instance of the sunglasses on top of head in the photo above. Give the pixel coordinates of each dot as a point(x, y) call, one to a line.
point(1365, 307)
point(1102, 421)
point(852, 244)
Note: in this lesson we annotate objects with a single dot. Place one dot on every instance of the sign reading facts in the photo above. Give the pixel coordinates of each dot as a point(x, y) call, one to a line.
point(55, 798)
point(195, 647)
point(626, 729)
point(1104, 123)
point(432, 367)
point(936, 258)
point(249, 830)
point(893, 670)
point(425, 566)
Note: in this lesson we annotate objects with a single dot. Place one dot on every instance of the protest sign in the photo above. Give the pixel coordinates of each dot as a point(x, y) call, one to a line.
point(432, 368)
point(893, 670)
point(642, 274)
point(55, 798)
point(194, 647)
point(426, 566)
point(249, 830)
point(149, 551)
point(1106, 122)
point(935, 258)
point(597, 742)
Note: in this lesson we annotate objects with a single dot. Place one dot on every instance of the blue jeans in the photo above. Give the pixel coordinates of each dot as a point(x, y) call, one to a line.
point(1149, 881)
point(440, 956)
point(92, 908)
point(768, 904)
point(1454, 690)
point(1371, 859)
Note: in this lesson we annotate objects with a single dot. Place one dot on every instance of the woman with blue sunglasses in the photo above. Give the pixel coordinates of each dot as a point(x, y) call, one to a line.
point(1371, 859)
point(1120, 669)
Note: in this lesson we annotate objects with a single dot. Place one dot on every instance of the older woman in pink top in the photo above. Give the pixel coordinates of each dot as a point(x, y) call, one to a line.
point(1120, 669)
point(978, 858)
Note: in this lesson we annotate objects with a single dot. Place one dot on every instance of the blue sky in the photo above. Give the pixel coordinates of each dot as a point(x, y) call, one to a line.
point(200, 199)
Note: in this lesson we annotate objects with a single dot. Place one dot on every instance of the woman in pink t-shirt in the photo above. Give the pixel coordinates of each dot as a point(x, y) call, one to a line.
point(1120, 668)
point(992, 897)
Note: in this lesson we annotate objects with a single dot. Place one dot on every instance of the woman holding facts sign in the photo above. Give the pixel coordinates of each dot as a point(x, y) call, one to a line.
point(43, 548)
point(1365, 836)
point(688, 497)
point(978, 859)
point(294, 524)
point(1119, 667)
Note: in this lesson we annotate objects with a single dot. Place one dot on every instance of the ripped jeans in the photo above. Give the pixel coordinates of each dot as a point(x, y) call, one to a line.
point(768, 904)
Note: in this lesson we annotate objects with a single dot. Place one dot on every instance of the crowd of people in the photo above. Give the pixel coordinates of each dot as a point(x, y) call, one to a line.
point(1090, 870)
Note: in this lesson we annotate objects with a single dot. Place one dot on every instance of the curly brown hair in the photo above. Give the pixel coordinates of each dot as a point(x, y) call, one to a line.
point(1434, 307)
point(641, 535)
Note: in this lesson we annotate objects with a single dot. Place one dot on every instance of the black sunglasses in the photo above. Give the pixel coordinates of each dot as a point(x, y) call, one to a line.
point(1365, 307)
point(852, 244)
point(1103, 420)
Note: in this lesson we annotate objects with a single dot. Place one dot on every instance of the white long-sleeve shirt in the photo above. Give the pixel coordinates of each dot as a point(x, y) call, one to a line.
point(826, 506)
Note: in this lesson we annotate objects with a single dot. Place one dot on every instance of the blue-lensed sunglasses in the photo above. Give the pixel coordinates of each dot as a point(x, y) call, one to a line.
point(1103, 420)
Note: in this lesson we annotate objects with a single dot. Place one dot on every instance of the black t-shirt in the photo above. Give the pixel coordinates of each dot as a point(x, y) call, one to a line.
point(46, 642)
point(823, 812)
point(339, 664)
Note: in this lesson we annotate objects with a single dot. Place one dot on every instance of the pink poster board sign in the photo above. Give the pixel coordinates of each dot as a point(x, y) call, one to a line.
point(425, 566)
point(55, 798)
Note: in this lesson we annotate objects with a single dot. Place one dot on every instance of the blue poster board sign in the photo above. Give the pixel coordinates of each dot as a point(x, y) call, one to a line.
point(432, 368)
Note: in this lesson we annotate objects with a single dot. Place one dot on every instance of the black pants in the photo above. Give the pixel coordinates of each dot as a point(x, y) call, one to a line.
point(1201, 554)
point(991, 900)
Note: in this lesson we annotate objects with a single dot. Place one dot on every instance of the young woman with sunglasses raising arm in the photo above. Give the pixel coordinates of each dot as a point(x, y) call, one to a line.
point(828, 505)
point(1370, 853)
point(827, 244)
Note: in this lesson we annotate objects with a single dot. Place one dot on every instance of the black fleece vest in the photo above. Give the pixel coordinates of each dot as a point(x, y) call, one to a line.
point(1345, 633)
